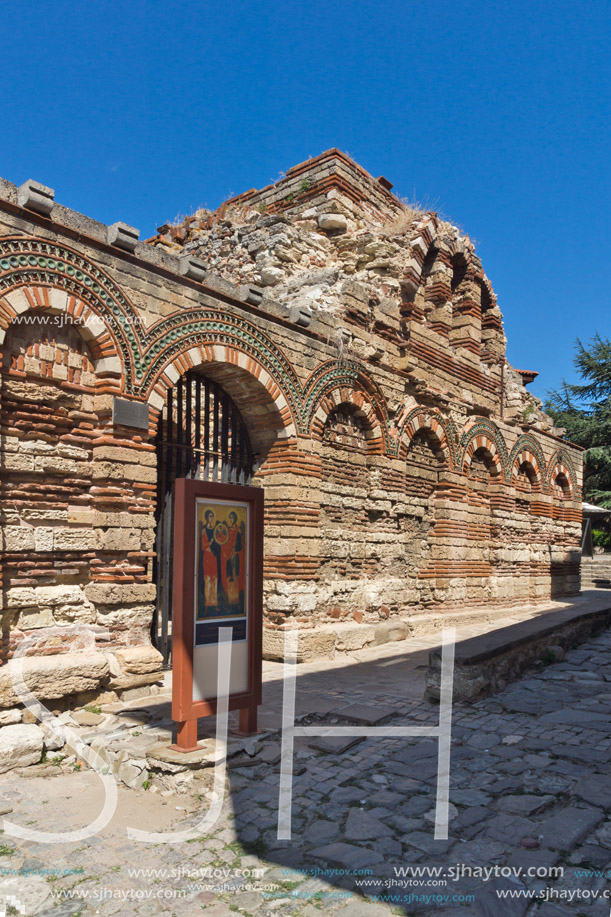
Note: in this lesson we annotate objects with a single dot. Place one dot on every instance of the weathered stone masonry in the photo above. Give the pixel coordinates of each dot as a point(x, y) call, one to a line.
point(408, 472)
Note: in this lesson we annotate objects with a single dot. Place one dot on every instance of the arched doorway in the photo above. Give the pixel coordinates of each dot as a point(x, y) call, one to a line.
point(201, 435)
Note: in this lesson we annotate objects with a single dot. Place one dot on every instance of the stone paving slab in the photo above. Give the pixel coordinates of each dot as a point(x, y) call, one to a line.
point(362, 713)
point(525, 792)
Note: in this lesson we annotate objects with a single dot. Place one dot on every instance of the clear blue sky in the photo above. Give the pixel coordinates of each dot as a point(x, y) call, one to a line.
point(495, 113)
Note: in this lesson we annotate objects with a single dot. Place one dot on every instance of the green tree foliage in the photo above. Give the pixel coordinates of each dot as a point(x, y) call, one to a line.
point(585, 411)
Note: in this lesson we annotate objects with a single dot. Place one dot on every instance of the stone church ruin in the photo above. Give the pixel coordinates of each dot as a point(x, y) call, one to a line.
point(317, 338)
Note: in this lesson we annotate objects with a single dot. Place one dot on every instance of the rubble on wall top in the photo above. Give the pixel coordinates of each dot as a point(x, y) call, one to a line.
point(325, 224)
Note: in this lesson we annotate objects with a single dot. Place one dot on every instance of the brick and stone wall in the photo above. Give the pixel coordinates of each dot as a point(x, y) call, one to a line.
point(406, 467)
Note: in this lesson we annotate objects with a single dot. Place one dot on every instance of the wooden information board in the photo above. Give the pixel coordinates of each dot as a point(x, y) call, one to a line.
point(218, 583)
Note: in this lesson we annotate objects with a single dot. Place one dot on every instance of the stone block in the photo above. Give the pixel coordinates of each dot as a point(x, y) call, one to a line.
point(20, 745)
point(16, 462)
point(312, 645)
point(53, 740)
point(123, 454)
point(81, 539)
point(81, 515)
point(332, 221)
point(119, 594)
point(123, 236)
point(17, 538)
point(57, 676)
point(43, 538)
point(270, 276)
point(23, 597)
point(353, 636)
point(8, 717)
point(139, 660)
point(143, 474)
point(34, 196)
point(33, 618)
point(390, 631)
point(58, 595)
point(138, 616)
point(192, 268)
point(117, 540)
point(111, 471)
point(127, 685)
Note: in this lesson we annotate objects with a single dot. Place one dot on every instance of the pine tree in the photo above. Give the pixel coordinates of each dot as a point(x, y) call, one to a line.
point(585, 411)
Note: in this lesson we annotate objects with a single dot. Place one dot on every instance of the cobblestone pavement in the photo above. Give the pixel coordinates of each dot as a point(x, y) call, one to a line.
point(530, 789)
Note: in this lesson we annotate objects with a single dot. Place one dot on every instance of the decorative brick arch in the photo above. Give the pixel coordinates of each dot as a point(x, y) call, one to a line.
point(335, 383)
point(44, 304)
point(432, 246)
point(483, 435)
point(363, 409)
point(189, 338)
point(526, 449)
point(526, 458)
point(428, 238)
point(439, 429)
point(240, 374)
point(36, 274)
point(560, 463)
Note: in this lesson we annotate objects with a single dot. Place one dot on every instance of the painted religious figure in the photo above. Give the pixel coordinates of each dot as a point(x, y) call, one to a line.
point(221, 580)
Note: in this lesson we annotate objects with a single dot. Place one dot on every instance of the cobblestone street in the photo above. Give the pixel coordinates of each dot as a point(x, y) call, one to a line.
point(529, 790)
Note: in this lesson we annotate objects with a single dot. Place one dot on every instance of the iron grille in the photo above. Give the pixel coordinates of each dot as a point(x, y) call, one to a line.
point(200, 435)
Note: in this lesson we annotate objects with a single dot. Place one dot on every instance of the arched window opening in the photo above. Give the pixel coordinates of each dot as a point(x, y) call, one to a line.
point(428, 264)
point(486, 299)
point(201, 434)
point(527, 476)
point(562, 487)
point(466, 320)
point(346, 518)
point(424, 461)
point(459, 270)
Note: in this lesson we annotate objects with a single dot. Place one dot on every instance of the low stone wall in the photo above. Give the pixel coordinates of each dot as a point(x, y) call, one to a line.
point(488, 663)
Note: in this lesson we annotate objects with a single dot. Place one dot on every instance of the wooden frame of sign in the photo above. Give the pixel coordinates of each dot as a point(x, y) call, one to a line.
point(218, 582)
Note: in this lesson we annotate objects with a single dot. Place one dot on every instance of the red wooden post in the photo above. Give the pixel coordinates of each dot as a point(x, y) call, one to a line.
point(248, 720)
point(186, 737)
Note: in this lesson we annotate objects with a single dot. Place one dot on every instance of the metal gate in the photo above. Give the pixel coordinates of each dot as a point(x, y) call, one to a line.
point(200, 435)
